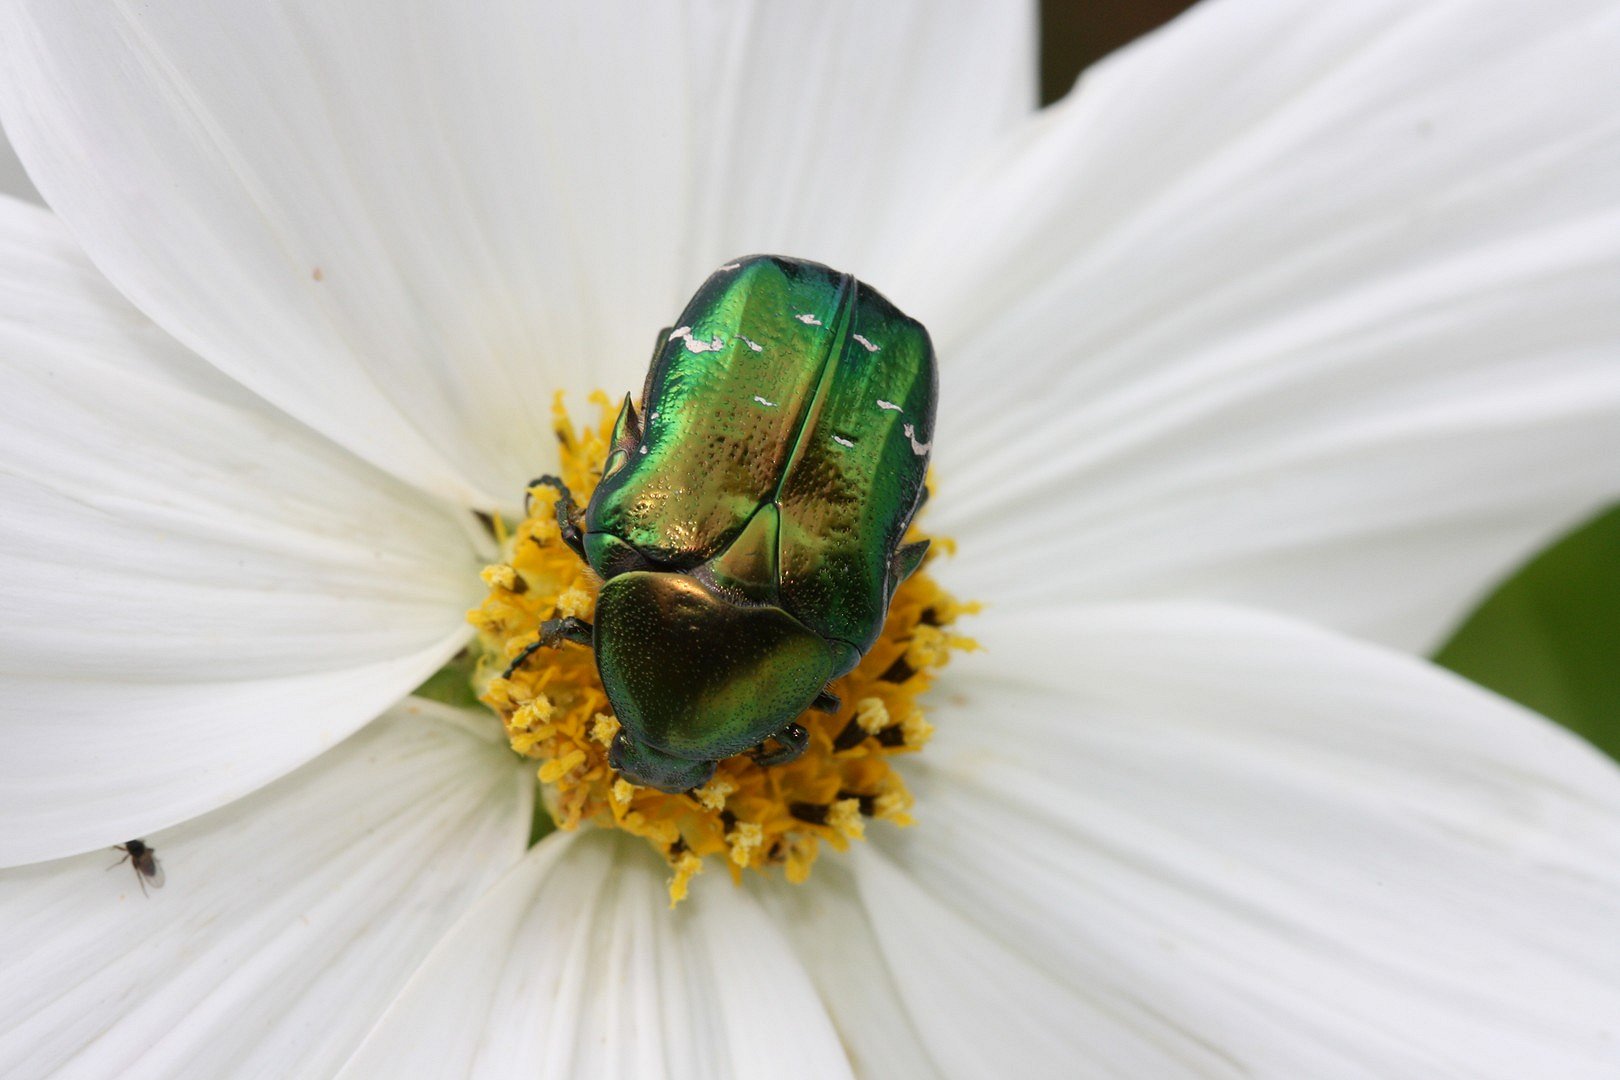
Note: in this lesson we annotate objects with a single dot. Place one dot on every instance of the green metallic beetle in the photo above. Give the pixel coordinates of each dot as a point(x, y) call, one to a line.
point(748, 526)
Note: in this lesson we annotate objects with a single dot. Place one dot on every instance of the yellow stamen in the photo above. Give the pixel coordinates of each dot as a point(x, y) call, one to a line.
point(500, 576)
point(687, 866)
point(555, 769)
point(801, 855)
point(604, 727)
point(575, 602)
point(845, 816)
point(872, 715)
point(713, 794)
point(915, 730)
point(892, 806)
point(556, 712)
point(745, 841)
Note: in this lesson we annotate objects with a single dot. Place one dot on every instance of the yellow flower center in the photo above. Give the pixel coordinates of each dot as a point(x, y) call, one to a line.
point(747, 816)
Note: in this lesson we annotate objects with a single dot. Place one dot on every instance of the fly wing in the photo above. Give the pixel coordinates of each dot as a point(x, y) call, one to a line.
point(857, 478)
point(152, 870)
point(726, 397)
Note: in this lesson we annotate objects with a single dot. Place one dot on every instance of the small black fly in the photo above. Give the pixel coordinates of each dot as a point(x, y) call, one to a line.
point(143, 857)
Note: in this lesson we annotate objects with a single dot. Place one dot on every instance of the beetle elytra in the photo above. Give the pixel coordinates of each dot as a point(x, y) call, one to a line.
point(749, 525)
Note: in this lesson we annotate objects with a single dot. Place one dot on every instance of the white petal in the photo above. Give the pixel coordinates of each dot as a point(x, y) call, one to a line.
point(1180, 840)
point(409, 227)
point(13, 181)
point(1308, 306)
point(573, 966)
point(286, 923)
point(833, 936)
point(200, 594)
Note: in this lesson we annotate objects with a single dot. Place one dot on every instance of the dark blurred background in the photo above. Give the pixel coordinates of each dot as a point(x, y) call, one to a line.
point(1075, 33)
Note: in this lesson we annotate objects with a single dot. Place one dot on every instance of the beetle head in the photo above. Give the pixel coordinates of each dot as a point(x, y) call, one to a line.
point(694, 677)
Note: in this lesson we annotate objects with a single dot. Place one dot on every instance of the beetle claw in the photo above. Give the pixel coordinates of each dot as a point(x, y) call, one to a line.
point(567, 511)
point(556, 631)
point(794, 739)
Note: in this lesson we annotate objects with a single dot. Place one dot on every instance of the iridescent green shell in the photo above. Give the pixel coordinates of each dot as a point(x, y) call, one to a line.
point(780, 450)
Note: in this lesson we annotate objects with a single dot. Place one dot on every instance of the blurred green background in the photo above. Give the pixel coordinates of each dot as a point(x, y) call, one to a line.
point(1550, 635)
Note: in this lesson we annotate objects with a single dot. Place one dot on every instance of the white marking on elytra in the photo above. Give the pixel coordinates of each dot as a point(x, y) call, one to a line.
point(869, 346)
point(889, 405)
point(731, 266)
point(808, 319)
point(841, 441)
point(751, 343)
point(916, 447)
point(652, 415)
point(762, 401)
point(643, 448)
point(697, 345)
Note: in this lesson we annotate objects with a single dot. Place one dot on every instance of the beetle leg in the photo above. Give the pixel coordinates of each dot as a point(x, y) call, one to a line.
point(794, 739)
point(827, 702)
point(553, 632)
point(557, 631)
point(567, 512)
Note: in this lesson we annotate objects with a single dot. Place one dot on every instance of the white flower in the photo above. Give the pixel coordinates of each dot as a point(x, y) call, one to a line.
point(1296, 322)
